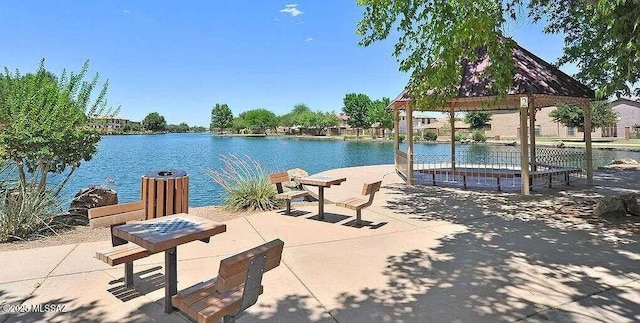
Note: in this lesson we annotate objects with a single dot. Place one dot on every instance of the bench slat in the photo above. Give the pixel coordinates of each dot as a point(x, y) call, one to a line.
point(276, 178)
point(353, 203)
point(120, 218)
point(227, 283)
point(289, 195)
point(240, 263)
point(115, 209)
point(122, 254)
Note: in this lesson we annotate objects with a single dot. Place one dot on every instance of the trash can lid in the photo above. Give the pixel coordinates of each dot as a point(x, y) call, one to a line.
point(166, 173)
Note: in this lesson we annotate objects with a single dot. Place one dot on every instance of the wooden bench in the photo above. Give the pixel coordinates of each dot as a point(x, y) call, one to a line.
point(358, 203)
point(553, 170)
point(121, 252)
point(237, 287)
point(278, 179)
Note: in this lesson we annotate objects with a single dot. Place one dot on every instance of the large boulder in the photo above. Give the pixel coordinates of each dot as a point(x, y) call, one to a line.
point(631, 203)
point(295, 173)
point(92, 197)
point(610, 206)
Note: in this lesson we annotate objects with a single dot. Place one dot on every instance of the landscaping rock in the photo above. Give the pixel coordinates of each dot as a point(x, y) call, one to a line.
point(610, 206)
point(631, 203)
point(92, 197)
point(624, 161)
point(295, 173)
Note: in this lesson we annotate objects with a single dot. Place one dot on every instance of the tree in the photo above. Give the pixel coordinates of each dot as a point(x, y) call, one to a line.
point(379, 113)
point(154, 122)
point(434, 36)
point(181, 128)
point(478, 119)
point(602, 115)
point(259, 120)
point(221, 117)
point(47, 122)
point(239, 123)
point(356, 106)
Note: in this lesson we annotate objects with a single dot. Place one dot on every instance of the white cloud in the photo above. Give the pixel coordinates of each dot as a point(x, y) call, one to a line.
point(292, 9)
point(308, 39)
point(126, 12)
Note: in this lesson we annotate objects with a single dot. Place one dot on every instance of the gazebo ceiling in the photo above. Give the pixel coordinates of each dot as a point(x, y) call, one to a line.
point(543, 82)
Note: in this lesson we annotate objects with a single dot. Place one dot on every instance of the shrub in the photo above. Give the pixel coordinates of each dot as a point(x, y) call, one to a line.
point(478, 136)
point(459, 137)
point(401, 138)
point(245, 183)
point(430, 136)
point(416, 138)
point(28, 212)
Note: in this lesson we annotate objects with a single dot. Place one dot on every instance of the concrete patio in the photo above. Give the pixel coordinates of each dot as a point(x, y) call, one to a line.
point(425, 254)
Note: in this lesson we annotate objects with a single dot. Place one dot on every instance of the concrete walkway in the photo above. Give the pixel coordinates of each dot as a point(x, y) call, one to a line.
point(425, 254)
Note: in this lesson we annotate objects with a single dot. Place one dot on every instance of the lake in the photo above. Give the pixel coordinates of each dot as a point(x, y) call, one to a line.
point(122, 160)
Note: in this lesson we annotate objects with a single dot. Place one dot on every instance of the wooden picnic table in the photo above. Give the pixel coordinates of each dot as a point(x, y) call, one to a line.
point(321, 182)
point(165, 234)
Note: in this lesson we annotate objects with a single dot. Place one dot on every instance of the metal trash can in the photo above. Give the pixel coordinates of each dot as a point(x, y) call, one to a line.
point(165, 192)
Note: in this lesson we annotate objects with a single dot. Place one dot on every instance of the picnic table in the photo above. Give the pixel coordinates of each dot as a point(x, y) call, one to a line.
point(321, 182)
point(165, 234)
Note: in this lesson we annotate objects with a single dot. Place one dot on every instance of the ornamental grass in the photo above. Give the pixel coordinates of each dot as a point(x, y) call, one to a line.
point(245, 183)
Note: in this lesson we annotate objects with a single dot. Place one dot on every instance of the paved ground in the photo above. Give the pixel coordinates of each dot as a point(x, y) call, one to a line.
point(426, 254)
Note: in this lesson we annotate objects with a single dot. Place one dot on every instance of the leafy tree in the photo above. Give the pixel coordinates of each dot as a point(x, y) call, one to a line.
point(378, 112)
point(602, 115)
point(199, 129)
point(433, 36)
point(478, 119)
point(356, 106)
point(239, 123)
point(259, 120)
point(221, 117)
point(47, 124)
point(180, 128)
point(126, 128)
point(154, 122)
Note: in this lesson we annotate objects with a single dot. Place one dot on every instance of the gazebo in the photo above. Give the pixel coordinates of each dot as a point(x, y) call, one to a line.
point(536, 84)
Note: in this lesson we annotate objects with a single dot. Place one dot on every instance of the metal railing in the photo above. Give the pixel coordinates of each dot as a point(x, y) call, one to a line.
point(498, 169)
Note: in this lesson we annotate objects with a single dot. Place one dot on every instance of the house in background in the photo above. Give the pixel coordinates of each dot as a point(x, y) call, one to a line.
point(504, 124)
point(108, 124)
point(628, 116)
point(419, 121)
point(343, 127)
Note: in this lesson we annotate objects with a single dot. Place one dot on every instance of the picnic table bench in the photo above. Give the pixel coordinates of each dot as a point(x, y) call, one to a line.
point(237, 287)
point(359, 203)
point(278, 179)
point(120, 252)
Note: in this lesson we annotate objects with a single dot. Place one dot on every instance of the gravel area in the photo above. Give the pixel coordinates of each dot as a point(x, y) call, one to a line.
point(85, 234)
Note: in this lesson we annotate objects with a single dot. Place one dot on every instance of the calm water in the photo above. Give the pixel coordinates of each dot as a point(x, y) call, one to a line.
point(125, 159)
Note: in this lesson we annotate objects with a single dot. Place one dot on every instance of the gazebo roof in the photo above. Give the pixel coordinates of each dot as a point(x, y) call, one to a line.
point(534, 77)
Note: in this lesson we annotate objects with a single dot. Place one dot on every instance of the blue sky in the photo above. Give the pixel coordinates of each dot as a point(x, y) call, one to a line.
point(179, 58)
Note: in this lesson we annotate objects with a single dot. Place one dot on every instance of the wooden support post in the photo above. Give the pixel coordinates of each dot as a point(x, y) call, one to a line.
point(587, 140)
point(409, 120)
point(396, 135)
point(532, 133)
point(524, 151)
point(452, 120)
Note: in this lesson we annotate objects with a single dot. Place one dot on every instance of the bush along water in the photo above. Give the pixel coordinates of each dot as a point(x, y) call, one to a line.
point(478, 136)
point(430, 136)
point(245, 183)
